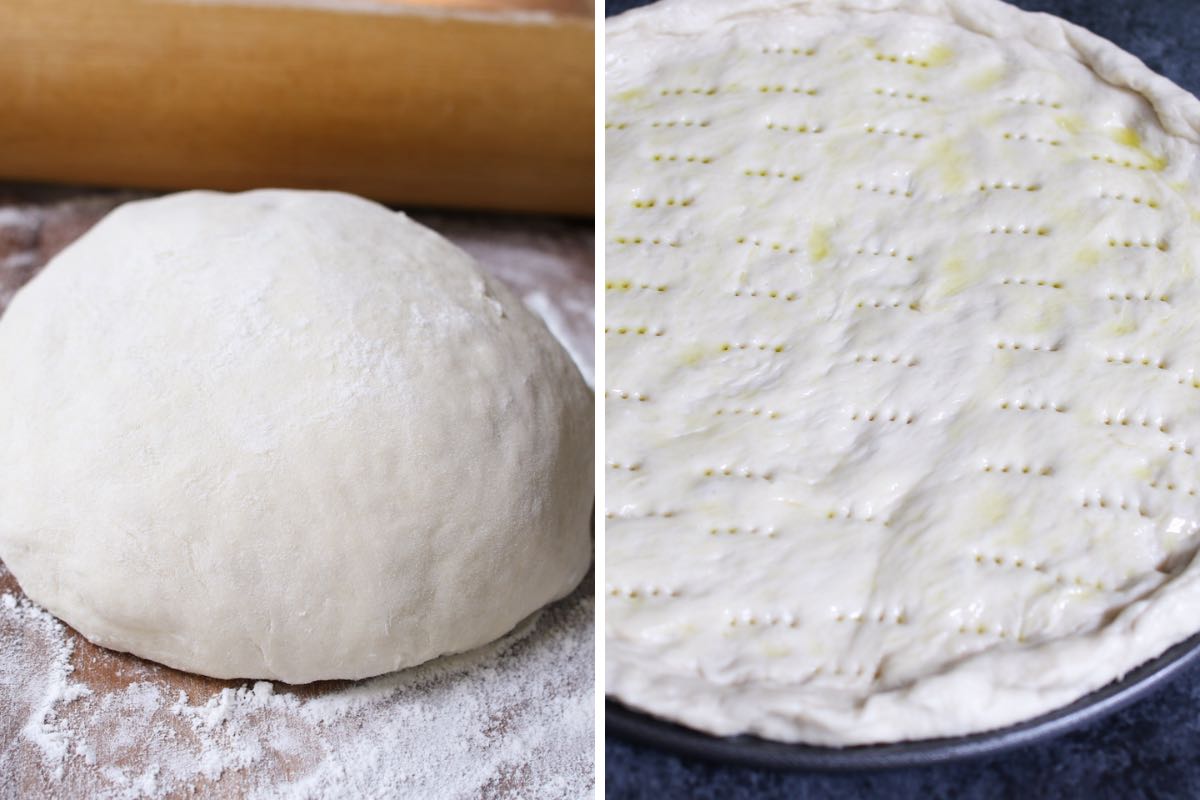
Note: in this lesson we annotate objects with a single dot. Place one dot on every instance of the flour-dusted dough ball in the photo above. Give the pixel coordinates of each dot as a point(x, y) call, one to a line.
point(287, 435)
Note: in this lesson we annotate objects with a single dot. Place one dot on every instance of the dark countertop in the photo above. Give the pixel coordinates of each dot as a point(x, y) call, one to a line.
point(1149, 750)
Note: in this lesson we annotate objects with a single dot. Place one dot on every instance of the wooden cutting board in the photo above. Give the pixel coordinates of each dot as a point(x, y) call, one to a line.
point(482, 104)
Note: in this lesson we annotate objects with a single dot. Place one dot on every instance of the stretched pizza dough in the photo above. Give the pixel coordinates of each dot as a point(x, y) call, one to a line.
point(903, 368)
point(286, 435)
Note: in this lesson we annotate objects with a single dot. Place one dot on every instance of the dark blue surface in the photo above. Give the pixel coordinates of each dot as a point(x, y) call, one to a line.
point(1149, 750)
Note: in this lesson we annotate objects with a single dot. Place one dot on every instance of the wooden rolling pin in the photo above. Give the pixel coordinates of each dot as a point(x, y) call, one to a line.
point(417, 107)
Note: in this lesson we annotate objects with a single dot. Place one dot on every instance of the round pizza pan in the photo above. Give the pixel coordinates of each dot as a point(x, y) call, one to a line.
point(640, 728)
point(749, 751)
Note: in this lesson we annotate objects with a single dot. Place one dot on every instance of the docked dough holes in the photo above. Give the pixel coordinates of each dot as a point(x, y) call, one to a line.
point(902, 457)
point(287, 435)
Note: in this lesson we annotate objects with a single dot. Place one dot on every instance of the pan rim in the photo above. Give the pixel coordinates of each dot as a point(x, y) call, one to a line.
point(631, 725)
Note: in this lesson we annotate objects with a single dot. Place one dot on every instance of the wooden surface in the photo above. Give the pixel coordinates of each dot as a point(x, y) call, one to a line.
point(126, 736)
point(577, 8)
point(427, 107)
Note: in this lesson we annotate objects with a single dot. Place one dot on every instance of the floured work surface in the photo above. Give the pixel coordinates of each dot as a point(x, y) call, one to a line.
point(903, 372)
point(512, 719)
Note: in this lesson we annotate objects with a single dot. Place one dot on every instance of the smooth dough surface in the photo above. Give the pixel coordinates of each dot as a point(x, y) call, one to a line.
point(287, 435)
point(903, 365)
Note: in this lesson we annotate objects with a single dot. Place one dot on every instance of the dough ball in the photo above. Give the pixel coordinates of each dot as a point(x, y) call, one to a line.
point(286, 435)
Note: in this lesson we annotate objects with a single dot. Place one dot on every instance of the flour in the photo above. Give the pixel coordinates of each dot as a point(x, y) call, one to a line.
point(40, 634)
point(512, 718)
point(18, 238)
point(558, 323)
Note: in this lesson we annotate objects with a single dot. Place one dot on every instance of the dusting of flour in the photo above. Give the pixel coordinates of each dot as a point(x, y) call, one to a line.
point(512, 719)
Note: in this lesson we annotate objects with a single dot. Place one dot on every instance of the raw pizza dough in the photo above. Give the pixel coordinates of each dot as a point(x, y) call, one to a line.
point(286, 435)
point(903, 365)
